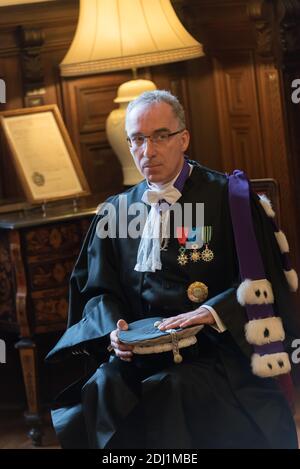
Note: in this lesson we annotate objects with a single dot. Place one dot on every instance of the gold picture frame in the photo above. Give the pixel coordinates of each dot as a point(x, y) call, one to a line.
point(43, 154)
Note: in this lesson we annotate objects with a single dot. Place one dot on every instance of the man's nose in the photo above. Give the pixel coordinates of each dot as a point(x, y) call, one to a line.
point(149, 147)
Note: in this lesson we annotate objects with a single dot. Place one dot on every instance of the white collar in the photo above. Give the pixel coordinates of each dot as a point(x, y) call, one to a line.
point(162, 187)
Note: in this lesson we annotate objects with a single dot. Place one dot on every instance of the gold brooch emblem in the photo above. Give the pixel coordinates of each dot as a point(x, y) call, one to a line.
point(197, 292)
point(182, 259)
point(195, 256)
point(207, 255)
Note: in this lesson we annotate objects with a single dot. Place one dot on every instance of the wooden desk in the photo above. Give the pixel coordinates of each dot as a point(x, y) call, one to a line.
point(37, 255)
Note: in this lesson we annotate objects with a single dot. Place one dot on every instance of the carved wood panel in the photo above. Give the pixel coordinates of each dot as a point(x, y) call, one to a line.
point(243, 144)
point(239, 124)
point(51, 252)
point(100, 164)
point(35, 268)
point(50, 307)
point(94, 103)
point(88, 101)
point(52, 238)
point(50, 274)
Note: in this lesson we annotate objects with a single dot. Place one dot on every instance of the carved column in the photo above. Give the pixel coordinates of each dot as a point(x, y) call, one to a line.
point(26, 345)
point(261, 12)
point(31, 41)
point(33, 418)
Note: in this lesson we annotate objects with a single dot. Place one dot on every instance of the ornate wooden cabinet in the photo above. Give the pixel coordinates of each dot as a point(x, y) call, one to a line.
point(37, 254)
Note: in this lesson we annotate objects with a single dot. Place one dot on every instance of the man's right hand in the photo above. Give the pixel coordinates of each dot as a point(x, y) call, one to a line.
point(123, 351)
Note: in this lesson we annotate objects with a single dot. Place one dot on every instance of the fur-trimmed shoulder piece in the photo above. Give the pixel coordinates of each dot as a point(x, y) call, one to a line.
point(292, 279)
point(264, 331)
point(255, 292)
point(282, 241)
point(266, 204)
point(268, 365)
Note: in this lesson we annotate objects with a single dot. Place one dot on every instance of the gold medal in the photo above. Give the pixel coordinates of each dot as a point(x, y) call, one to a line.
point(182, 259)
point(207, 254)
point(195, 256)
point(197, 292)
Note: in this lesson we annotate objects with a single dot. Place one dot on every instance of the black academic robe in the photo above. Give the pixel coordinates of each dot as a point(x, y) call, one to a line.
point(212, 399)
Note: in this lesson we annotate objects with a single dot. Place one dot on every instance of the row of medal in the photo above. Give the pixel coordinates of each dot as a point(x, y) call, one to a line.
point(194, 254)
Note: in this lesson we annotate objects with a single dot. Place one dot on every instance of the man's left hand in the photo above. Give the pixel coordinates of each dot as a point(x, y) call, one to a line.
point(191, 318)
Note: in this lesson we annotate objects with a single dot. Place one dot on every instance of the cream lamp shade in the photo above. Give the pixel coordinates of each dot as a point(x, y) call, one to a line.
point(122, 34)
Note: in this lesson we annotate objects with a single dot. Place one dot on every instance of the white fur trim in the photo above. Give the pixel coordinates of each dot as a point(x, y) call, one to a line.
point(145, 350)
point(255, 292)
point(266, 204)
point(292, 279)
point(264, 331)
point(282, 241)
point(270, 365)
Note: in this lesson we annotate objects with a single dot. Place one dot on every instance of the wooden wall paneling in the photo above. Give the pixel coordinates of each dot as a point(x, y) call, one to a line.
point(256, 139)
point(288, 42)
point(53, 92)
point(275, 148)
point(10, 73)
point(174, 78)
point(271, 119)
point(277, 32)
point(239, 124)
point(10, 184)
point(57, 20)
point(204, 125)
point(198, 98)
point(218, 24)
point(225, 30)
point(87, 103)
point(292, 112)
point(100, 164)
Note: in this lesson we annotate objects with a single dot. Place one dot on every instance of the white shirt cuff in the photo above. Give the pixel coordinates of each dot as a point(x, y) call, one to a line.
point(219, 326)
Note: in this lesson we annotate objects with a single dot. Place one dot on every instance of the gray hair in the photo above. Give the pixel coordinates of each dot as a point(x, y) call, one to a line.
point(158, 96)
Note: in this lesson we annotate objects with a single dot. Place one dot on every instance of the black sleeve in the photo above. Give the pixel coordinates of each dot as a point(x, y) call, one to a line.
point(96, 300)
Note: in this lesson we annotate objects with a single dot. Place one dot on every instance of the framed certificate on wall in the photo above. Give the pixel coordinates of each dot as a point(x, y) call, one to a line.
point(43, 154)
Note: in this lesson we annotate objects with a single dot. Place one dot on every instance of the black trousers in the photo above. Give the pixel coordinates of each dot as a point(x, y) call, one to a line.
point(210, 400)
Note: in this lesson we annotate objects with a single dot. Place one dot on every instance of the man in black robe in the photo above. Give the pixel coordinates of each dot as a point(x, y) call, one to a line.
point(212, 399)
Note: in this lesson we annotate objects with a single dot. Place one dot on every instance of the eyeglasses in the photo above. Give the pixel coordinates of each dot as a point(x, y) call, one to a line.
point(158, 137)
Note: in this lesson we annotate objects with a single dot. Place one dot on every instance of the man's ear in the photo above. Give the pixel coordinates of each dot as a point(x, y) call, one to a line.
point(185, 140)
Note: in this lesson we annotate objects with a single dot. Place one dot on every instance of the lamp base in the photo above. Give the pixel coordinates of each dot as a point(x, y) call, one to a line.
point(115, 128)
point(131, 89)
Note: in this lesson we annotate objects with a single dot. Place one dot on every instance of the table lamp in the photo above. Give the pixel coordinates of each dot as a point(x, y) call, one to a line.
point(126, 34)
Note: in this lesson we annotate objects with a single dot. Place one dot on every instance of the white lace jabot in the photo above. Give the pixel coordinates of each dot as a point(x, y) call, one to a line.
point(155, 229)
